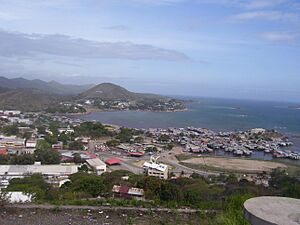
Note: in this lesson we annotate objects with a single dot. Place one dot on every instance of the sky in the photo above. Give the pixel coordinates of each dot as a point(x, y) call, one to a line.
point(212, 48)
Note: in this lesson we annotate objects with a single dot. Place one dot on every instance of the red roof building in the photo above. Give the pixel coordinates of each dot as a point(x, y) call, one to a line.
point(113, 161)
point(3, 152)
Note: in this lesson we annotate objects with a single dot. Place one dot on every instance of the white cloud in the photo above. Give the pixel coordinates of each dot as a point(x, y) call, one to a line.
point(8, 16)
point(117, 27)
point(279, 37)
point(267, 15)
point(257, 4)
point(33, 45)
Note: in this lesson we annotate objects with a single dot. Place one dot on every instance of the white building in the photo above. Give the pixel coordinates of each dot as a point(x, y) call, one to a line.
point(155, 169)
point(53, 174)
point(12, 112)
point(66, 130)
point(97, 165)
point(31, 144)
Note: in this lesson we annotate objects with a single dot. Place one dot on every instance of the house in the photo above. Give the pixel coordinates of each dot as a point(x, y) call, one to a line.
point(66, 130)
point(57, 146)
point(97, 165)
point(113, 161)
point(12, 141)
point(12, 113)
point(155, 169)
point(22, 151)
point(31, 144)
point(3, 151)
point(128, 192)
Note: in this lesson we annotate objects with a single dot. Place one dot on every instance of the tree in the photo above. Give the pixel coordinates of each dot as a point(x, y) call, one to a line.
point(91, 129)
point(10, 130)
point(89, 184)
point(43, 145)
point(25, 159)
point(47, 156)
point(35, 184)
point(112, 143)
point(125, 135)
point(77, 158)
point(75, 145)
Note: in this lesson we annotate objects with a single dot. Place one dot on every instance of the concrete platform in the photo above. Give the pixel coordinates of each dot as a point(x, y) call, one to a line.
point(272, 211)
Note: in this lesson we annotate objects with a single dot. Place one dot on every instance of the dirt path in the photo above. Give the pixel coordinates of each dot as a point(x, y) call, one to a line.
point(235, 164)
point(86, 215)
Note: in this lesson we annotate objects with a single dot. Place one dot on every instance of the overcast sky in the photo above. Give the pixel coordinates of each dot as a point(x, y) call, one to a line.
point(217, 48)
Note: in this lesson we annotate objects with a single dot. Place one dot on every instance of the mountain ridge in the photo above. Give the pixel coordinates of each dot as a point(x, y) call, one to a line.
point(51, 87)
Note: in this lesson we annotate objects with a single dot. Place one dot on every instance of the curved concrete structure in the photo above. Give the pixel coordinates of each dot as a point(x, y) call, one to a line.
point(272, 211)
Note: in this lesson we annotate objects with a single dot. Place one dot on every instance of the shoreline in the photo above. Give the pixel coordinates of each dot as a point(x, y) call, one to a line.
point(96, 110)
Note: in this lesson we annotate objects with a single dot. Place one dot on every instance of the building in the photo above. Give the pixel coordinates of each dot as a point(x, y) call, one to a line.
point(12, 142)
point(155, 169)
point(54, 174)
point(113, 161)
point(31, 144)
point(66, 130)
point(128, 192)
point(97, 165)
point(12, 113)
point(58, 146)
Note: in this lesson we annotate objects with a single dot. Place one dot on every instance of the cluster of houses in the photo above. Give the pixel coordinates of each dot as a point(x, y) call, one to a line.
point(13, 145)
point(201, 140)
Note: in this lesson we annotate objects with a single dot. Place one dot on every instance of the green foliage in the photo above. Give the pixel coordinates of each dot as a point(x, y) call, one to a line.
point(125, 135)
point(164, 138)
point(75, 145)
point(77, 158)
point(26, 159)
point(51, 139)
point(88, 184)
point(233, 213)
point(47, 156)
point(169, 147)
point(64, 138)
point(151, 149)
point(285, 185)
point(10, 130)
point(34, 184)
point(91, 129)
point(113, 143)
point(60, 108)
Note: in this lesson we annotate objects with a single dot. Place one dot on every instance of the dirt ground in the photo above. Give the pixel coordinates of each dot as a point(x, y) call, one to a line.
point(235, 164)
point(15, 216)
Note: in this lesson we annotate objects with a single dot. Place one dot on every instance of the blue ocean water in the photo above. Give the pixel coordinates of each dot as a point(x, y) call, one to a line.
point(215, 114)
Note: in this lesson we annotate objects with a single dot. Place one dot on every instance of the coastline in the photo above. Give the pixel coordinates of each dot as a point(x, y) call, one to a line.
point(97, 110)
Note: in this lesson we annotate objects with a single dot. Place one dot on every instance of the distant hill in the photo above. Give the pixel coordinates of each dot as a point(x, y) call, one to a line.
point(51, 87)
point(38, 95)
point(27, 100)
point(109, 91)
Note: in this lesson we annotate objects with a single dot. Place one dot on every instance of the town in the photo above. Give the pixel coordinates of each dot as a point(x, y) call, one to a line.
point(72, 143)
point(60, 159)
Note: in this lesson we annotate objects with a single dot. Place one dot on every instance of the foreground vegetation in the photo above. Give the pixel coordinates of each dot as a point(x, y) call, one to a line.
point(224, 194)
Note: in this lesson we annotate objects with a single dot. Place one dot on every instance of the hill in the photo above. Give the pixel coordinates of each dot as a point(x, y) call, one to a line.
point(110, 92)
point(51, 87)
point(26, 100)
